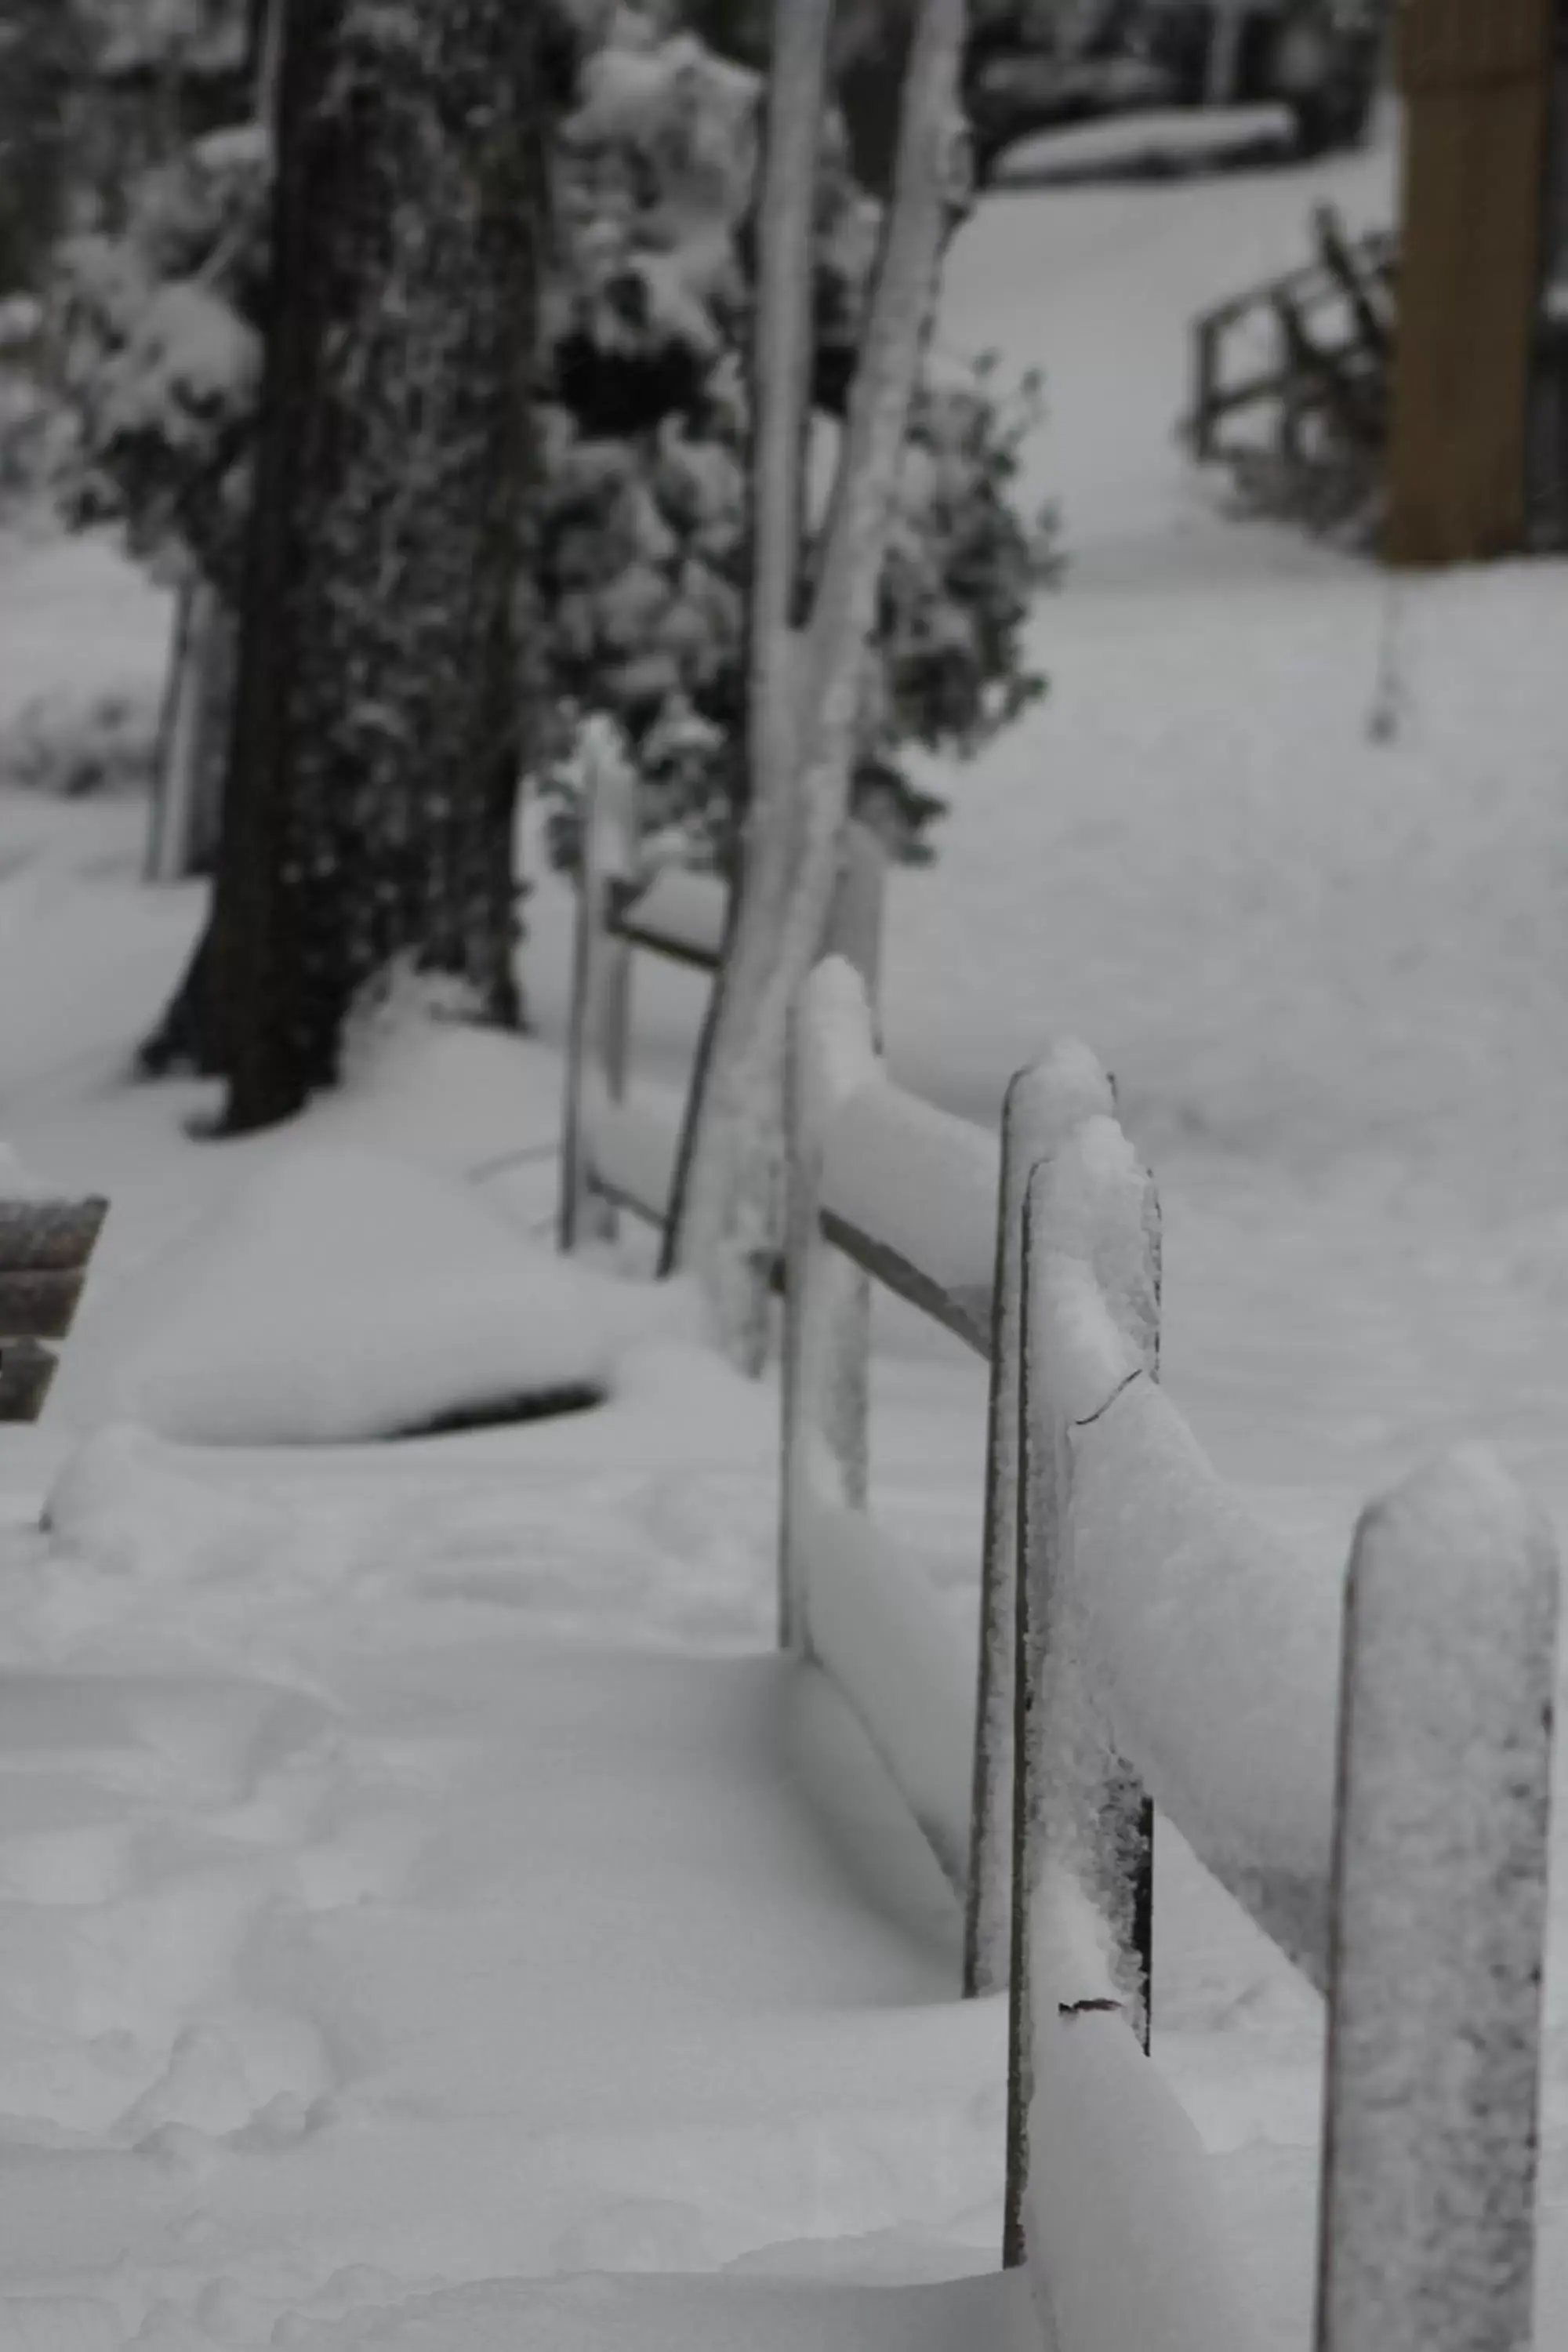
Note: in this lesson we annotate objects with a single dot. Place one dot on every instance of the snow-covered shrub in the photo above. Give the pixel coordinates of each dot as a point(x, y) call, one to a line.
point(640, 528)
point(159, 331)
point(71, 748)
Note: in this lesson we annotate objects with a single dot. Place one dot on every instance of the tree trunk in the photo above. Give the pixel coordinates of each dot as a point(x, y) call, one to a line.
point(369, 802)
point(807, 683)
point(192, 740)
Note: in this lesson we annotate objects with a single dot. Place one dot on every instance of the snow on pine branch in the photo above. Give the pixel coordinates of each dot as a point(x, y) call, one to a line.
point(639, 540)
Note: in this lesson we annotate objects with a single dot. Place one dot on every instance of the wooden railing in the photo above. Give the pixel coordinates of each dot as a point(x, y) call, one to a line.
point(618, 1153)
point(1365, 1767)
point(1315, 341)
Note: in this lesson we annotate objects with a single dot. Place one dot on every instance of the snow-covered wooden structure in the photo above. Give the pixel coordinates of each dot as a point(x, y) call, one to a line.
point(1301, 363)
point(45, 1247)
point(616, 1153)
point(1364, 1764)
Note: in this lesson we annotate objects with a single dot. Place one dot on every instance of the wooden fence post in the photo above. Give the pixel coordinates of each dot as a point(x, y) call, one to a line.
point(1477, 76)
point(826, 1320)
point(1045, 1103)
point(596, 1043)
point(1428, 2211)
point(1081, 1825)
point(1205, 389)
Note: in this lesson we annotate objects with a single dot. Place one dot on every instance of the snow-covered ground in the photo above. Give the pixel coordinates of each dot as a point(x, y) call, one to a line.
point(414, 1869)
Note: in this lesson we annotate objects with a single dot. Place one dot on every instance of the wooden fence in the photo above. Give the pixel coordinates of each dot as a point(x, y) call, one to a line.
point(617, 1153)
point(1308, 353)
point(1368, 1773)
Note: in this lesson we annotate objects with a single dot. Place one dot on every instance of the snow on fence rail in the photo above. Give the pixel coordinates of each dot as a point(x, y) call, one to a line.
point(616, 1153)
point(1367, 1772)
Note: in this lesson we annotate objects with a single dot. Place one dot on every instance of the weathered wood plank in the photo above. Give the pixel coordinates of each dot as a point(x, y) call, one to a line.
point(1477, 84)
point(38, 1305)
point(965, 1313)
point(681, 915)
point(1354, 279)
point(48, 1237)
point(1449, 44)
point(1350, 400)
point(26, 1372)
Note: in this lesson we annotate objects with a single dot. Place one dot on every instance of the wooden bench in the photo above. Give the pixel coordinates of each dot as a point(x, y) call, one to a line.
point(45, 1247)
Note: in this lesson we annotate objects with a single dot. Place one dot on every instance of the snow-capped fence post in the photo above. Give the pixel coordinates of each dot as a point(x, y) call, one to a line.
point(1082, 1843)
point(1428, 2209)
point(596, 1046)
point(680, 916)
point(1044, 1104)
point(826, 1321)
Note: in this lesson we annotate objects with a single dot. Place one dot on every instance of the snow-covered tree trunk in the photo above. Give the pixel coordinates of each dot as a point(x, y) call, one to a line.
point(806, 680)
point(370, 803)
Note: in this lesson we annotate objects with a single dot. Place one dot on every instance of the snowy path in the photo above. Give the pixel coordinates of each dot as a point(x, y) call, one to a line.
point(291, 2025)
point(497, 1907)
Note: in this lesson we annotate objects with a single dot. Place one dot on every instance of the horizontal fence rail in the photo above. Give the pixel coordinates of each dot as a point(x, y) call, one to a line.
point(845, 1598)
point(884, 1185)
point(1370, 1781)
point(619, 1154)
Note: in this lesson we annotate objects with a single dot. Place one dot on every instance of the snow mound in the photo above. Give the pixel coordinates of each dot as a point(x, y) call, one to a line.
point(17, 1181)
point(595, 2313)
point(337, 1296)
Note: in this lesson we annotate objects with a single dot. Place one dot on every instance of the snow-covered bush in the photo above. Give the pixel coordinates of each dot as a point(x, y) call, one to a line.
point(159, 332)
point(70, 747)
point(639, 546)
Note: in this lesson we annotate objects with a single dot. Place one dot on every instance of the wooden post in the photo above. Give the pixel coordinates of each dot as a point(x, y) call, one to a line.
point(826, 1336)
point(1428, 2211)
point(1045, 1103)
point(1081, 1845)
point(1476, 81)
point(596, 1043)
point(1546, 489)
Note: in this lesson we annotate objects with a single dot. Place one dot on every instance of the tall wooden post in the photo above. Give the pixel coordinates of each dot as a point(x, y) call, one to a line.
point(1477, 76)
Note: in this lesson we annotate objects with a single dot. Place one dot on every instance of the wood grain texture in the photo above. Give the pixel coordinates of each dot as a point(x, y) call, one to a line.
point(1476, 83)
point(37, 1306)
point(26, 1371)
point(48, 1237)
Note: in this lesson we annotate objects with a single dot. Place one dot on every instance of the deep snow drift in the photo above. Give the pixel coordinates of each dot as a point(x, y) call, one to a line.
point(415, 1871)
